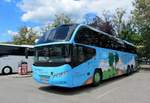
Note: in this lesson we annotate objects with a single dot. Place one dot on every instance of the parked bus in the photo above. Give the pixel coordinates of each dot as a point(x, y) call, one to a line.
point(76, 54)
point(12, 55)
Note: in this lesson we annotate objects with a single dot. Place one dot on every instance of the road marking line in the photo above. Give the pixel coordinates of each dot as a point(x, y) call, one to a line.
point(106, 93)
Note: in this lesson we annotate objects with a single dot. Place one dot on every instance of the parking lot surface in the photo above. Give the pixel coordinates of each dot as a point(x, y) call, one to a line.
point(125, 89)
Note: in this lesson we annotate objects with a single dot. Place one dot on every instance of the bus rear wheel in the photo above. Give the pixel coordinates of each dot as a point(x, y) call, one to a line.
point(132, 68)
point(6, 70)
point(96, 78)
point(128, 70)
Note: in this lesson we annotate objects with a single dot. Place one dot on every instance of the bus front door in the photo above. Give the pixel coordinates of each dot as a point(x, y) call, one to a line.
point(83, 69)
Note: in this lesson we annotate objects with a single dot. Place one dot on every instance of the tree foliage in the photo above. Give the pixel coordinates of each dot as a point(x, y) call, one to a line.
point(116, 24)
point(126, 29)
point(59, 20)
point(130, 34)
point(103, 24)
point(118, 21)
point(25, 36)
point(141, 15)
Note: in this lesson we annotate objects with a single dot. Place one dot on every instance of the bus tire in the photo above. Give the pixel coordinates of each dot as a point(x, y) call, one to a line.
point(97, 77)
point(132, 68)
point(7, 70)
point(128, 72)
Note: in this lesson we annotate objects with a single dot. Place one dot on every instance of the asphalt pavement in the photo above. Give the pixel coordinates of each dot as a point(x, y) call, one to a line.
point(125, 89)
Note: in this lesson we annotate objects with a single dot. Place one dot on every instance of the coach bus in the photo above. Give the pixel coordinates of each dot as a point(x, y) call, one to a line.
point(76, 54)
point(12, 55)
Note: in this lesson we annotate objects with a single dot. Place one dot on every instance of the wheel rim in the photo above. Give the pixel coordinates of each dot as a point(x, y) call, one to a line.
point(97, 77)
point(7, 70)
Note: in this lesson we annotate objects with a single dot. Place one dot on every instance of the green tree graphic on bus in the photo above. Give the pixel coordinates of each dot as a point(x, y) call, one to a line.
point(113, 58)
point(116, 59)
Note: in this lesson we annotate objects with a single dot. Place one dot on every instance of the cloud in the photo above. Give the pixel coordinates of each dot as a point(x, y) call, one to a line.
point(12, 33)
point(45, 11)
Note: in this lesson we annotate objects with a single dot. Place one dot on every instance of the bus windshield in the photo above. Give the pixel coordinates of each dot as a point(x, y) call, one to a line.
point(52, 55)
point(60, 33)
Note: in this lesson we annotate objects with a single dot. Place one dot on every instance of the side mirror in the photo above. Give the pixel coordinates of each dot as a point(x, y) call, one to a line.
point(74, 53)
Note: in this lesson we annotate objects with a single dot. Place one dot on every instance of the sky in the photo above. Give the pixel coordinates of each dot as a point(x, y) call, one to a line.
point(36, 13)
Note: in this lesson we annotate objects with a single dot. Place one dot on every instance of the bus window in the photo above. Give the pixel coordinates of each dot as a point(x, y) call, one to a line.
point(82, 36)
point(52, 55)
point(60, 33)
point(82, 54)
point(87, 36)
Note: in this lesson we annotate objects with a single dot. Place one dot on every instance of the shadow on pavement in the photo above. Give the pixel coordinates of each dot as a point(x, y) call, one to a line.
point(82, 89)
point(145, 69)
point(7, 74)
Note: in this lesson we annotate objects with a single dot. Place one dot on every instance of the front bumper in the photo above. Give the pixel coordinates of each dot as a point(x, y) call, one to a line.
point(55, 76)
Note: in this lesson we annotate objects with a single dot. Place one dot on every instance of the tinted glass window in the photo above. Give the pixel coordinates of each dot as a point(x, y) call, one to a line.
point(130, 48)
point(90, 37)
point(93, 38)
point(60, 33)
point(82, 36)
point(52, 55)
point(12, 50)
point(104, 41)
point(82, 54)
point(29, 51)
point(87, 36)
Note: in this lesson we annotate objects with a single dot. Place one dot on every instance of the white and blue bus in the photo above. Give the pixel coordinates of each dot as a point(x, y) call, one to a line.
point(76, 54)
point(12, 55)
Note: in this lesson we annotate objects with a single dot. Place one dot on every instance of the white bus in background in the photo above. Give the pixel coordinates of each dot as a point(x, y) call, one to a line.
point(12, 55)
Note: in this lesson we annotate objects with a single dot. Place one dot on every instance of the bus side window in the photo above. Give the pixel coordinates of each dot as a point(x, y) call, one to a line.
point(83, 36)
point(89, 53)
point(26, 53)
point(74, 54)
point(80, 54)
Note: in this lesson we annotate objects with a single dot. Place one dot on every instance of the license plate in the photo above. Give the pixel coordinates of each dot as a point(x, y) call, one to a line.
point(44, 79)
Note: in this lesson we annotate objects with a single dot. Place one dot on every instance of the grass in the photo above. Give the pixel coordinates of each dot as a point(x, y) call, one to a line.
point(109, 73)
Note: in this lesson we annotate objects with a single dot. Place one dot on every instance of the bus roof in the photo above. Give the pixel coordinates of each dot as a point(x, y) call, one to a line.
point(129, 43)
point(53, 43)
point(28, 46)
point(96, 30)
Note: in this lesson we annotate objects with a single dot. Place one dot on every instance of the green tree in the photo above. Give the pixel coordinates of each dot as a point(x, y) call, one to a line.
point(127, 29)
point(25, 36)
point(118, 21)
point(129, 33)
point(59, 20)
point(103, 23)
point(141, 15)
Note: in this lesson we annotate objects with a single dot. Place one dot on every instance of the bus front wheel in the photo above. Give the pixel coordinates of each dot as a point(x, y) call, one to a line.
point(97, 78)
point(6, 70)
